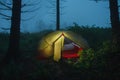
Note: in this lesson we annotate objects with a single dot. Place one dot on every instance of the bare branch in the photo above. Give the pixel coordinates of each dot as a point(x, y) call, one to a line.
point(64, 0)
point(50, 7)
point(5, 15)
point(10, 2)
point(52, 3)
point(3, 4)
point(7, 6)
point(28, 18)
point(98, 0)
point(63, 7)
point(7, 18)
point(31, 4)
point(30, 10)
point(4, 9)
point(53, 12)
point(5, 28)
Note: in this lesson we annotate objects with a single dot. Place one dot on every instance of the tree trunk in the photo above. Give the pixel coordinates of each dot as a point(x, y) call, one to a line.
point(57, 14)
point(115, 23)
point(13, 48)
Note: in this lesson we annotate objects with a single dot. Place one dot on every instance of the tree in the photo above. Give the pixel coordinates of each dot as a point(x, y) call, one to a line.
point(13, 48)
point(15, 23)
point(14, 39)
point(5, 6)
point(57, 14)
point(112, 59)
point(56, 6)
point(15, 29)
point(115, 23)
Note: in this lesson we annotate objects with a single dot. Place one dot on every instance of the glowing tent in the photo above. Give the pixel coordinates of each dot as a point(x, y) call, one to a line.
point(52, 44)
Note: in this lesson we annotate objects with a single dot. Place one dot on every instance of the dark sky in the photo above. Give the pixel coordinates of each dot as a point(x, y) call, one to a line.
point(83, 12)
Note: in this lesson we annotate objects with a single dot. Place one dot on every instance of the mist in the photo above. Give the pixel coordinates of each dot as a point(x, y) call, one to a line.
point(82, 12)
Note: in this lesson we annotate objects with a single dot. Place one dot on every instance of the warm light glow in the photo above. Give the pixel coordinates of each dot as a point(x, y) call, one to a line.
point(58, 45)
point(52, 44)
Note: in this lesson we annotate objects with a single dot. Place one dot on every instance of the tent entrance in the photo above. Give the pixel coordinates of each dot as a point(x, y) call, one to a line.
point(58, 45)
point(70, 49)
point(64, 48)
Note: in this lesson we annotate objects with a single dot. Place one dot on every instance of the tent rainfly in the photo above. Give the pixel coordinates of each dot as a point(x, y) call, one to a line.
point(52, 44)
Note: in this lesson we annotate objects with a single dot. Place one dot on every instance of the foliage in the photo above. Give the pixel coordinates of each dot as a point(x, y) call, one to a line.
point(94, 63)
point(93, 34)
point(85, 58)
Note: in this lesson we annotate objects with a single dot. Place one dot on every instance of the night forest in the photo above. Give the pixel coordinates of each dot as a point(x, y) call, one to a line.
point(19, 55)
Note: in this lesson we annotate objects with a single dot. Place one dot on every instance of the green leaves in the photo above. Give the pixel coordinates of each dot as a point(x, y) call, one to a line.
point(86, 57)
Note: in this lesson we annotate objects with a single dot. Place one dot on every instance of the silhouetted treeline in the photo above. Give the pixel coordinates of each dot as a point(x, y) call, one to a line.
point(94, 35)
